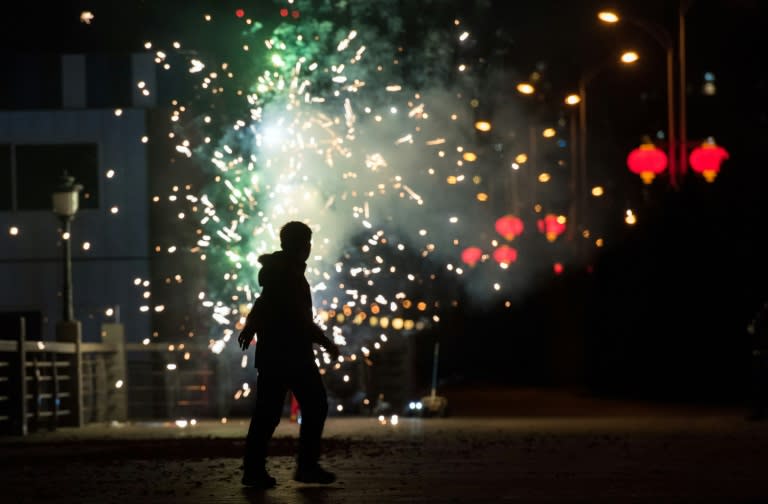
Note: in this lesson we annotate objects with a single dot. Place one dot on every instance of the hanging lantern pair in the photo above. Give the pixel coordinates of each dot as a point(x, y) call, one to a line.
point(648, 161)
point(504, 255)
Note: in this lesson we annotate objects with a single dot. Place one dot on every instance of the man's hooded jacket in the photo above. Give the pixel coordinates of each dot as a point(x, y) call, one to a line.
point(283, 321)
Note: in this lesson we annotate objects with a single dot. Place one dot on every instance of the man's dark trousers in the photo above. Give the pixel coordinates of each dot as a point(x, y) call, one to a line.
point(272, 385)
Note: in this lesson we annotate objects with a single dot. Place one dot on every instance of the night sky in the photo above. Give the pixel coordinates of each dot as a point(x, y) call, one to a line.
point(666, 304)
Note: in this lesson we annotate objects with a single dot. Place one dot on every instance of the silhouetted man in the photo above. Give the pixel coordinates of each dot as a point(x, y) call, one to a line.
point(282, 319)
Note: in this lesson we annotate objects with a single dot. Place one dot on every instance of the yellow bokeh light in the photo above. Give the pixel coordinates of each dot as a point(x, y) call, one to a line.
point(629, 57)
point(544, 177)
point(86, 17)
point(469, 157)
point(521, 158)
point(482, 196)
point(548, 133)
point(525, 88)
point(572, 99)
point(608, 17)
point(598, 191)
point(483, 126)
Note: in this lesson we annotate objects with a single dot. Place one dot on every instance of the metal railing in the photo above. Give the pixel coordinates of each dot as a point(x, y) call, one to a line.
point(45, 385)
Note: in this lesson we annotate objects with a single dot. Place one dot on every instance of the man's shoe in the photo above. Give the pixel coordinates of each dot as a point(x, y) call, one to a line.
point(258, 479)
point(313, 474)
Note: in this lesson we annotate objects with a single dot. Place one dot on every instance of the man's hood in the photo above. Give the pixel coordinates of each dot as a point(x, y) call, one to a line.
point(274, 259)
point(278, 261)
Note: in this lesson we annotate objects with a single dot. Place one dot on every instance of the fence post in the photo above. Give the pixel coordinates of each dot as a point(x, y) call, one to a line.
point(19, 420)
point(172, 385)
point(36, 392)
point(71, 331)
point(54, 423)
point(117, 370)
point(222, 387)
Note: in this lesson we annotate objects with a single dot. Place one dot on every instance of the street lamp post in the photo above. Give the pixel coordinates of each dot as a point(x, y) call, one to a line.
point(664, 39)
point(65, 206)
point(580, 99)
point(581, 171)
point(683, 7)
point(572, 100)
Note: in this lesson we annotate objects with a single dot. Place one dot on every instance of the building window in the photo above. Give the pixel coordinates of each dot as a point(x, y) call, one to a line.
point(38, 168)
point(6, 181)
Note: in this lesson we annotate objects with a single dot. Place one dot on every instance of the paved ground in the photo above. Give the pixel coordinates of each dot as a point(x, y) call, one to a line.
point(596, 452)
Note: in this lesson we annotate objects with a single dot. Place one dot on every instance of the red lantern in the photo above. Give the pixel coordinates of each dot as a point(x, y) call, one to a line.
point(647, 161)
point(471, 255)
point(552, 226)
point(706, 159)
point(509, 226)
point(505, 255)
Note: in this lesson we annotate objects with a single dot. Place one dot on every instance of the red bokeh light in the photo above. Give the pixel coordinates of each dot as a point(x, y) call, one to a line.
point(509, 226)
point(647, 161)
point(505, 255)
point(284, 12)
point(552, 226)
point(295, 14)
point(471, 255)
point(240, 13)
point(706, 159)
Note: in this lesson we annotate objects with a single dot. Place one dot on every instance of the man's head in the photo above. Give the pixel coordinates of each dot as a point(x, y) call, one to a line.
point(296, 239)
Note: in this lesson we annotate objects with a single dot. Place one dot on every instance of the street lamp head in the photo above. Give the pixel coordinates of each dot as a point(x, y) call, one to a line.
point(483, 125)
point(607, 16)
point(66, 196)
point(525, 88)
point(572, 99)
point(629, 57)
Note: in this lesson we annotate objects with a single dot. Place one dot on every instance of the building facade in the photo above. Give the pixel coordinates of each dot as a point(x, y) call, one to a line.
point(86, 115)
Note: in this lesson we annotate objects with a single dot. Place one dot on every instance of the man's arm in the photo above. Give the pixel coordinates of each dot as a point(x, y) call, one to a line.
point(252, 326)
point(318, 336)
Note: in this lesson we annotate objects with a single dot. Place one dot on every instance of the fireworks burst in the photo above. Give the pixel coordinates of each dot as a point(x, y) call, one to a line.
point(383, 175)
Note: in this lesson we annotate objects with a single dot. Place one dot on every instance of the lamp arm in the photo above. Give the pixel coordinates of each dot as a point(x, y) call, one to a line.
point(658, 32)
